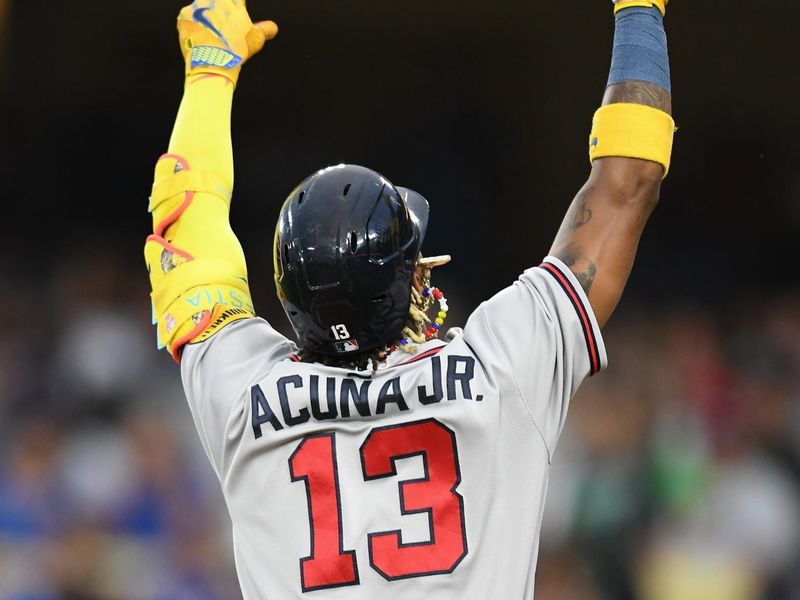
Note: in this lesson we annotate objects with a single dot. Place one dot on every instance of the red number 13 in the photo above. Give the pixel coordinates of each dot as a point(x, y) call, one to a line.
point(330, 565)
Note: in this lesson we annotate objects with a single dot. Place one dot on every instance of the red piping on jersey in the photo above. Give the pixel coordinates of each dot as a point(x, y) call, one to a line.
point(295, 358)
point(583, 314)
point(425, 354)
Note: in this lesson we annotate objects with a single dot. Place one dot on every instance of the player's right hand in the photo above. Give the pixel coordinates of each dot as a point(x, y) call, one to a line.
point(659, 4)
point(218, 36)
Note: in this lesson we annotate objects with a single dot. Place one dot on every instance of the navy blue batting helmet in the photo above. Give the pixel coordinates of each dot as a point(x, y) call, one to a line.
point(346, 246)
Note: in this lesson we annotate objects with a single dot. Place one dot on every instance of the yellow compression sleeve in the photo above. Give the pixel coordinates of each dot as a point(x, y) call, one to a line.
point(197, 267)
point(202, 132)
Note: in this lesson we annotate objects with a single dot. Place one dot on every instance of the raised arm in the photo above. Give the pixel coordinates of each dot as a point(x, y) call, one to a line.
point(630, 148)
point(196, 264)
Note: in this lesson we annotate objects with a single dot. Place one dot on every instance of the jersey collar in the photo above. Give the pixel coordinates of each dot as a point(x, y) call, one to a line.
point(399, 358)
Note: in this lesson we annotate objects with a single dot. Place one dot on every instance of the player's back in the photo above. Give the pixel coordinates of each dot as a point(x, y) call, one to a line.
point(424, 479)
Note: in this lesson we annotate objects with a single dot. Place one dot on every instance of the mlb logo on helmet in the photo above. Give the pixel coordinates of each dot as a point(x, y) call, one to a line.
point(348, 346)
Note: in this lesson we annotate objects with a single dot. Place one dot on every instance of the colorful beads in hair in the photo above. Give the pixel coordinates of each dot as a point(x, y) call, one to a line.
point(425, 301)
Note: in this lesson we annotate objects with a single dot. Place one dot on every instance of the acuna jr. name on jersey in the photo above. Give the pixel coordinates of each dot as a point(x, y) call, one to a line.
point(296, 399)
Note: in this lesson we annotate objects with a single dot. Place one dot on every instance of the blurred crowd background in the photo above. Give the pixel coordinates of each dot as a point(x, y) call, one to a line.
point(678, 476)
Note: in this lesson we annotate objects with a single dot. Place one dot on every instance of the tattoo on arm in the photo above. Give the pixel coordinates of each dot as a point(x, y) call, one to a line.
point(584, 269)
point(570, 253)
point(579, 213)
point(639, 92)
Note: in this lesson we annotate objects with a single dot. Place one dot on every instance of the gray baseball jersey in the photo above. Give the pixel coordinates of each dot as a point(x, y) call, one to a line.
point(423, 480)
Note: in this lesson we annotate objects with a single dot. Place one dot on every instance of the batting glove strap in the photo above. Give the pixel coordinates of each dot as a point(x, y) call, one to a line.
point(211, 56)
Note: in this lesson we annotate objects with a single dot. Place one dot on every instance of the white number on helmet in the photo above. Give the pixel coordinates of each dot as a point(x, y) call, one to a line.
point(340, 332)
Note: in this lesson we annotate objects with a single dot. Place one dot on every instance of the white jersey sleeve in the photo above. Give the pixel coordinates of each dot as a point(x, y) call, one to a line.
point(214, 371)
point(541, 333)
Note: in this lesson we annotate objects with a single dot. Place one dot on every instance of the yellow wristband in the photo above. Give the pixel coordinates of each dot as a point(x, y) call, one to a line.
point(632, 131)
point(659, 4)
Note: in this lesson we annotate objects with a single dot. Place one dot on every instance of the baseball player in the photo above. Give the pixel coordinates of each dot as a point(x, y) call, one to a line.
point(370, 457)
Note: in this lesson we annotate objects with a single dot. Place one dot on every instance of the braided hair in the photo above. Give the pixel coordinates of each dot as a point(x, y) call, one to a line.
point(417, 330)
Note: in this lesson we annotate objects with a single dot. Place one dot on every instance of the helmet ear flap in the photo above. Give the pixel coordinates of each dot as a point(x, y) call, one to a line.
point(418, 208)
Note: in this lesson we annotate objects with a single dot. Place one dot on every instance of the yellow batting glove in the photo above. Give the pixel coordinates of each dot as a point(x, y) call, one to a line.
point(659, 4)
point(217, 36)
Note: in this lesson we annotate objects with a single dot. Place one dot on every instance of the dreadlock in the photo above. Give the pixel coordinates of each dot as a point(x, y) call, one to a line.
point(417, 330)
